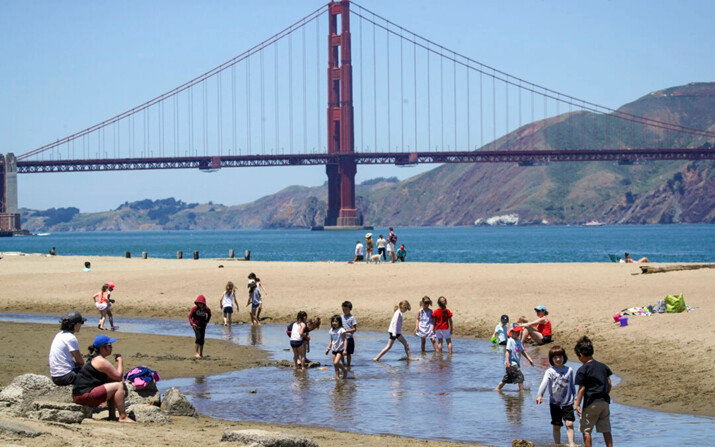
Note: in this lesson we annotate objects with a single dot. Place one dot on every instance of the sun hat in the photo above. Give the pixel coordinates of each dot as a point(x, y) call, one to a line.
point(540, 307)
point(101, 340)
point(505, 318)
point(368, 235)
point(74, 317)
point(111, 285)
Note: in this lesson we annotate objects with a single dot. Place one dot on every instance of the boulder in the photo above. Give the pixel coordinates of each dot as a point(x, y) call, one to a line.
point(148, 413)
point(148, 395)
point(12, 429)
point(176, 404)
point(26, 385)
point(265, 438)
point(58, 411)
point(522, 443)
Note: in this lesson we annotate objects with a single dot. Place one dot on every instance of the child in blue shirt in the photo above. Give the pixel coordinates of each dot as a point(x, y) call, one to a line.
point(514, 350)
point(559, 380)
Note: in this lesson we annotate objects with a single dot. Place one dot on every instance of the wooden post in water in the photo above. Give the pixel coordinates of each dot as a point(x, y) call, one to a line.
point(144, 255)
point(230, 253)
point(179, 254)
point(196, 254)
point(127, 254)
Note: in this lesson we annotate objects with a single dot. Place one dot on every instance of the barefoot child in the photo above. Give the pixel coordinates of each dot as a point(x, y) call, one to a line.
point(559, 381)
point(443, 324)
point(424, 326)
point(261, 293)
point(227, 301)
point(594, 381)
point(296, 339)
point(199, 318)
point(255, 301)
point(338, 346)
point(395, 330)
point(311, 325)
point(514, 350)
point(501, 332)
point(350, 326)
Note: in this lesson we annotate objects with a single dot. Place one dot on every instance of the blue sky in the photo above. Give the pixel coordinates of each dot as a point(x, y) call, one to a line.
point(67, 65)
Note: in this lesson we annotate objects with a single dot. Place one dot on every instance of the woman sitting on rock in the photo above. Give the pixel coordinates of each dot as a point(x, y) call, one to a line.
point(99, 381)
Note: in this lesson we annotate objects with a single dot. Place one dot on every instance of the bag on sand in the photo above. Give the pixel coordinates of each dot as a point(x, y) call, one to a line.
point(674, 304)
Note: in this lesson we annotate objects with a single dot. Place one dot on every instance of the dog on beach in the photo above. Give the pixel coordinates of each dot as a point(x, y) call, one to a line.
point(376, 259)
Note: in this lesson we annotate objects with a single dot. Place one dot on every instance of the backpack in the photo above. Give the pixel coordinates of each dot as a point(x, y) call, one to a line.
point(674, 304)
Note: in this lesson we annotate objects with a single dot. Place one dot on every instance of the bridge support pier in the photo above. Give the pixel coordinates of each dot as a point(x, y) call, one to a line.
point(9, 215)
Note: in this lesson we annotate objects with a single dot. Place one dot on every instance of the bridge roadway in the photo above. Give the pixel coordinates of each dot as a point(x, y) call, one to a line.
point(532, 157)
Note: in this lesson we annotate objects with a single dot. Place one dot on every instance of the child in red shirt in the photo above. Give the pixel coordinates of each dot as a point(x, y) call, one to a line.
point(443, 324)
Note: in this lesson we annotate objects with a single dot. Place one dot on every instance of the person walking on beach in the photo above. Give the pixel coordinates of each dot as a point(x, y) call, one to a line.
point(512, 357)
point(227, 301)
point(349, 323)
point(65, 358)
point(395, 330)
point(297, 332)
point(199, 318)
point(559, 381)
point(337, 344)
point(103, 302)
point(381, 244)
point(368, 247)
point(359, 252)
point(255, 300)
point(391, 244)
point(261, 293)
point(594, 381)
point(540, 329)
point(443, 325)
point(424, 325)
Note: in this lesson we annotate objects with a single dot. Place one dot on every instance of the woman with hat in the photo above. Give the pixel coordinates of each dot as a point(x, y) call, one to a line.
point(540, 329)
point(368, 247)
point(65, 359)
point(99, 381)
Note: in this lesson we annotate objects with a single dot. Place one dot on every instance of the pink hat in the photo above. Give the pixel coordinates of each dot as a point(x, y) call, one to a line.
point(111, 285)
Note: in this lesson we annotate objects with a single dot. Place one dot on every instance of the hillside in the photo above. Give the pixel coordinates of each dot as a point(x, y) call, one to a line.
point(465, 194)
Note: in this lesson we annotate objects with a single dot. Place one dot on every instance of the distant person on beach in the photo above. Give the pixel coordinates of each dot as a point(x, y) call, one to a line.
point(501, 331)
point(391, 244)
point(540, 329)
point(297, 332)
point(227, 301)
point(99, 381)
point(52, 251)
point(401, 253)
point(110, 302)
point(630, 260)
point(103, 302)
point(512, 360)
point(381, 244)
point(368, 247)
point(87, 267)
point(349, 323)
point(338, 346)
point(424, 324)
point(395, 330)
point(199, 317)
point(65, 358)
point(559, 381)
point(359, 252)
point(262, 293)
point(255, 300)
point(443, 325)
point(594, 381)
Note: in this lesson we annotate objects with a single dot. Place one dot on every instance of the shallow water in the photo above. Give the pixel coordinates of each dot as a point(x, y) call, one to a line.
point(435, 396)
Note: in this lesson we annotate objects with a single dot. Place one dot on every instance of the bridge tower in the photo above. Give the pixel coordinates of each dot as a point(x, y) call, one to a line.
point(9, 216)
point(341, 176)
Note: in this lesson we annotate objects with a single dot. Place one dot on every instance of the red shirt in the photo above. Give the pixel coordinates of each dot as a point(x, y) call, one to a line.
point(544, 329)
point(441, 319)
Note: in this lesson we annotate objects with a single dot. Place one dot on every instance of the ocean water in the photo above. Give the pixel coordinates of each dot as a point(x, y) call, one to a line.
point(515, 244)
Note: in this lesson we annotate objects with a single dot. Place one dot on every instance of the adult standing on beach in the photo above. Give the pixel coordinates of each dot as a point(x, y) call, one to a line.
point(65, 358)
point(381, 244)
point(368, 247)
point(359, 252)
point(391, 244)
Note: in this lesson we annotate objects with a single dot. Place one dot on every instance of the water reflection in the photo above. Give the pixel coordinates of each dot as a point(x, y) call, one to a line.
point(513, 404)
point(256, 335)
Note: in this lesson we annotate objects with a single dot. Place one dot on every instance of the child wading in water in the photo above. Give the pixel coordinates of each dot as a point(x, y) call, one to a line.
point(559, 381)
point(296, 339)
point(594, 381)
point(424, 326)
point(443, 324)
point(311, 325)
point(395, 330)
point(227, 301)
point(337, 345)
point(514, 350)
point(501, 332)
point(255, 301)
point(199, 318)
point(350, 326)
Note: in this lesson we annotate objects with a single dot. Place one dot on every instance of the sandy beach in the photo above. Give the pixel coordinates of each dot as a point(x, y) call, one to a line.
point(660, 358)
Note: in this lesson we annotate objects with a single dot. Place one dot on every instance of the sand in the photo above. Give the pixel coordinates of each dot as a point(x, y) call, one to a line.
point(664, 360)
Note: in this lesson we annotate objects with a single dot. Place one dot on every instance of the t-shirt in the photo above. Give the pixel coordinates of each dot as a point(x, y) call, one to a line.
point(396, 323)
point(349, 322)
point(359, 250)
point(441, 319)
point(61, 360)
point(502, 331)
point(560, 383)
point(594, 377)
point(336, 339)
point(227, 300)
point(514, 348)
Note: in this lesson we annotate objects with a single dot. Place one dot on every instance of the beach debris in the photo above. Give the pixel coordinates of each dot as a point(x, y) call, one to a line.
point(267, 438)
point(176, 404)
point(645, 269)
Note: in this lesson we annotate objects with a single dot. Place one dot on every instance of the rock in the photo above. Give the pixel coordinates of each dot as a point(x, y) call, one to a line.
point(176, 404)
point(11, 429)
point(148, 413)
point(265, 438)
point(522, 443)
point(147, 395)
point(18, 396)
point(289, 364)
point(56, 411)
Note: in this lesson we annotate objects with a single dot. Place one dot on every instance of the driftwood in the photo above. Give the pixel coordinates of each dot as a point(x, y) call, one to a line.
point(674, 268)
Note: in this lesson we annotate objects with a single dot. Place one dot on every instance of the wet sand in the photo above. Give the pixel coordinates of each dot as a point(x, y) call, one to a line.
point(661, 357)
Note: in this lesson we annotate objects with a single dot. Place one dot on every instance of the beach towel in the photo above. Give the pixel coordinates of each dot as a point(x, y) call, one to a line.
point(141, 376)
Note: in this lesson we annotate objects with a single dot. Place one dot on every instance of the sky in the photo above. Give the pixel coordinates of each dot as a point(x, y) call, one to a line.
point(67, 65)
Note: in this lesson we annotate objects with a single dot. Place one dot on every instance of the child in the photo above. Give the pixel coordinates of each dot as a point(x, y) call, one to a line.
point(540, 329)
point(443, 324)
point(311, 325)
point(594, 381)
point(350, 326)
point(514, 350)
point(226, 302)
point(338, 345)
point(501, 332)
point(261, 291)
point(87, 266)
point(424, 326)
point(255, 301)
point(199, 318)
point(101, 302)
point(395, 330)
point(559, 380)
point(296, 340)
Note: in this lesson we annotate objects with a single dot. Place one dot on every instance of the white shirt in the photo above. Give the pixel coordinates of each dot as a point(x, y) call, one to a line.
point(560, 383)
point(337, 343)
point(359, 249)
point(396, 323)
point(295, 332)
point(502, 332)
point(227, 301)
point(348, 323)
point(61, 360)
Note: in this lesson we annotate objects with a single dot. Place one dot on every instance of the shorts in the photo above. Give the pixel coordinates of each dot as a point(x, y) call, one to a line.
point(513, 375)
point(67, 379)
point(359, 258)
point(296, 343)
point(228, 310)
point(561, 412)
point(337, 352)
point(199, 334)
point(351, 346)
point(255, 305)
point(394, 336)
point(546, 339)
point(443, 333)
point(93, 398)
point(598, 415)
point(101, 306)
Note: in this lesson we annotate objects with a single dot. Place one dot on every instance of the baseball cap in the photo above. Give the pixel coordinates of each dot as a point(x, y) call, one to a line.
point(505, 318)
point(101, 340)
point(111, 285)
point(540, 307)
point(74, 317)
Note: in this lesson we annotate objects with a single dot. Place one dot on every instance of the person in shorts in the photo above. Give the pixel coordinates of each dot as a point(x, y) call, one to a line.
point(594, 381)
point(559, 381)
point(514, 350)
